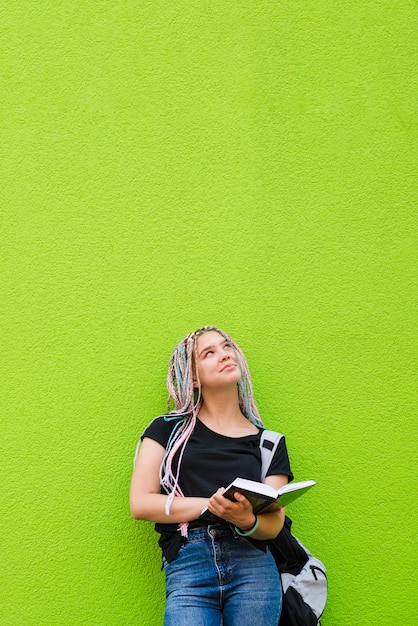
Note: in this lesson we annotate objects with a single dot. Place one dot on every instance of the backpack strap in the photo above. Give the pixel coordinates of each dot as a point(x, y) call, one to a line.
point(268, 445)
point(289, 554)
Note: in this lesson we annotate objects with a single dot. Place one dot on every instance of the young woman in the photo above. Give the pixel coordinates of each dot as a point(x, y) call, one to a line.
point(222, 573)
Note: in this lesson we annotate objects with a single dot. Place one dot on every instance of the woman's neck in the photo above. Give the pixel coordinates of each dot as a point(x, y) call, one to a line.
point(221, 412)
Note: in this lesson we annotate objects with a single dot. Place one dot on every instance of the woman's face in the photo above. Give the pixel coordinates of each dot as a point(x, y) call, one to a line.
point(217, 363)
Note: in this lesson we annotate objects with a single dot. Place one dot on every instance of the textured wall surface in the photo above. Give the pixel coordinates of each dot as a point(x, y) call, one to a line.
point(171, 164)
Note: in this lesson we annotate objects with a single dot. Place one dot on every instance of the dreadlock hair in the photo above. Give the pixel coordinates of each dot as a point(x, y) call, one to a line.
point(187, 399)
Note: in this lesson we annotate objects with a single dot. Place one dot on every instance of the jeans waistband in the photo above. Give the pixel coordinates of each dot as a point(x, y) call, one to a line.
point(216, 530)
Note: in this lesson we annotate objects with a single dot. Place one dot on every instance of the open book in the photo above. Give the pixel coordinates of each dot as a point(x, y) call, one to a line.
point(264, 498)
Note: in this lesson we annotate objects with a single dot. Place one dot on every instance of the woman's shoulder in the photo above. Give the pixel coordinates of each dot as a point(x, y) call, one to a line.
point(161, 428)
point(280, 463)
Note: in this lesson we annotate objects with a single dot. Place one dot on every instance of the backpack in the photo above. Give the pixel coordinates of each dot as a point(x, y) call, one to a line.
point(303, 577)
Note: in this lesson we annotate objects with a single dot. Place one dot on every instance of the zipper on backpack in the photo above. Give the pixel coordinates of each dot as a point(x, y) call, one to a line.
point(313, 570)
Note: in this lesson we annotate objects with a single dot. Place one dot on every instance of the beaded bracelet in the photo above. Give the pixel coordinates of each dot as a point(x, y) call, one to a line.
point(249, 532)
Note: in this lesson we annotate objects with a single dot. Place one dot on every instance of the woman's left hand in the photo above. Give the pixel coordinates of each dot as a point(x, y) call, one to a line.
point(239, 513)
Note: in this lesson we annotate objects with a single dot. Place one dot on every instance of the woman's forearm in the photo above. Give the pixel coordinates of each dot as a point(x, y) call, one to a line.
point(269, 525)
point(152, 507)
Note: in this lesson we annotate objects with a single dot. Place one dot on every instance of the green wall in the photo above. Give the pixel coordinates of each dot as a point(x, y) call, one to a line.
point(172, 164)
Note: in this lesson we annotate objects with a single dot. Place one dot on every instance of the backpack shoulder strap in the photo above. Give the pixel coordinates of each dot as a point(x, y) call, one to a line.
point(268, 444)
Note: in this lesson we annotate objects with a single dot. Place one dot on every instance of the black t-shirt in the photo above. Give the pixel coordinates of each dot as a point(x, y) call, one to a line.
point(210, 461)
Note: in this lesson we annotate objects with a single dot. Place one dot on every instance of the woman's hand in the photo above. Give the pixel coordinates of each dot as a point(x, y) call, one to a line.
point(239, 513)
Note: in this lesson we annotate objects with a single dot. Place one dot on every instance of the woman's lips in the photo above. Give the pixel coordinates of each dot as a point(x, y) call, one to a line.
point(228, 366)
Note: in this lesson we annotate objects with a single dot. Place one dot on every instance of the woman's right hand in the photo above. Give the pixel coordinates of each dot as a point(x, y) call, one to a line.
point(239, 513)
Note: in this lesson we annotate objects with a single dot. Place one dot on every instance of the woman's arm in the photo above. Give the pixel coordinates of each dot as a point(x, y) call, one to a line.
point(145, 499)
point(241, 514)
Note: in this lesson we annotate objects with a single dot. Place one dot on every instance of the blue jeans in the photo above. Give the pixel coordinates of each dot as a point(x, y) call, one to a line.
point(221, 579)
